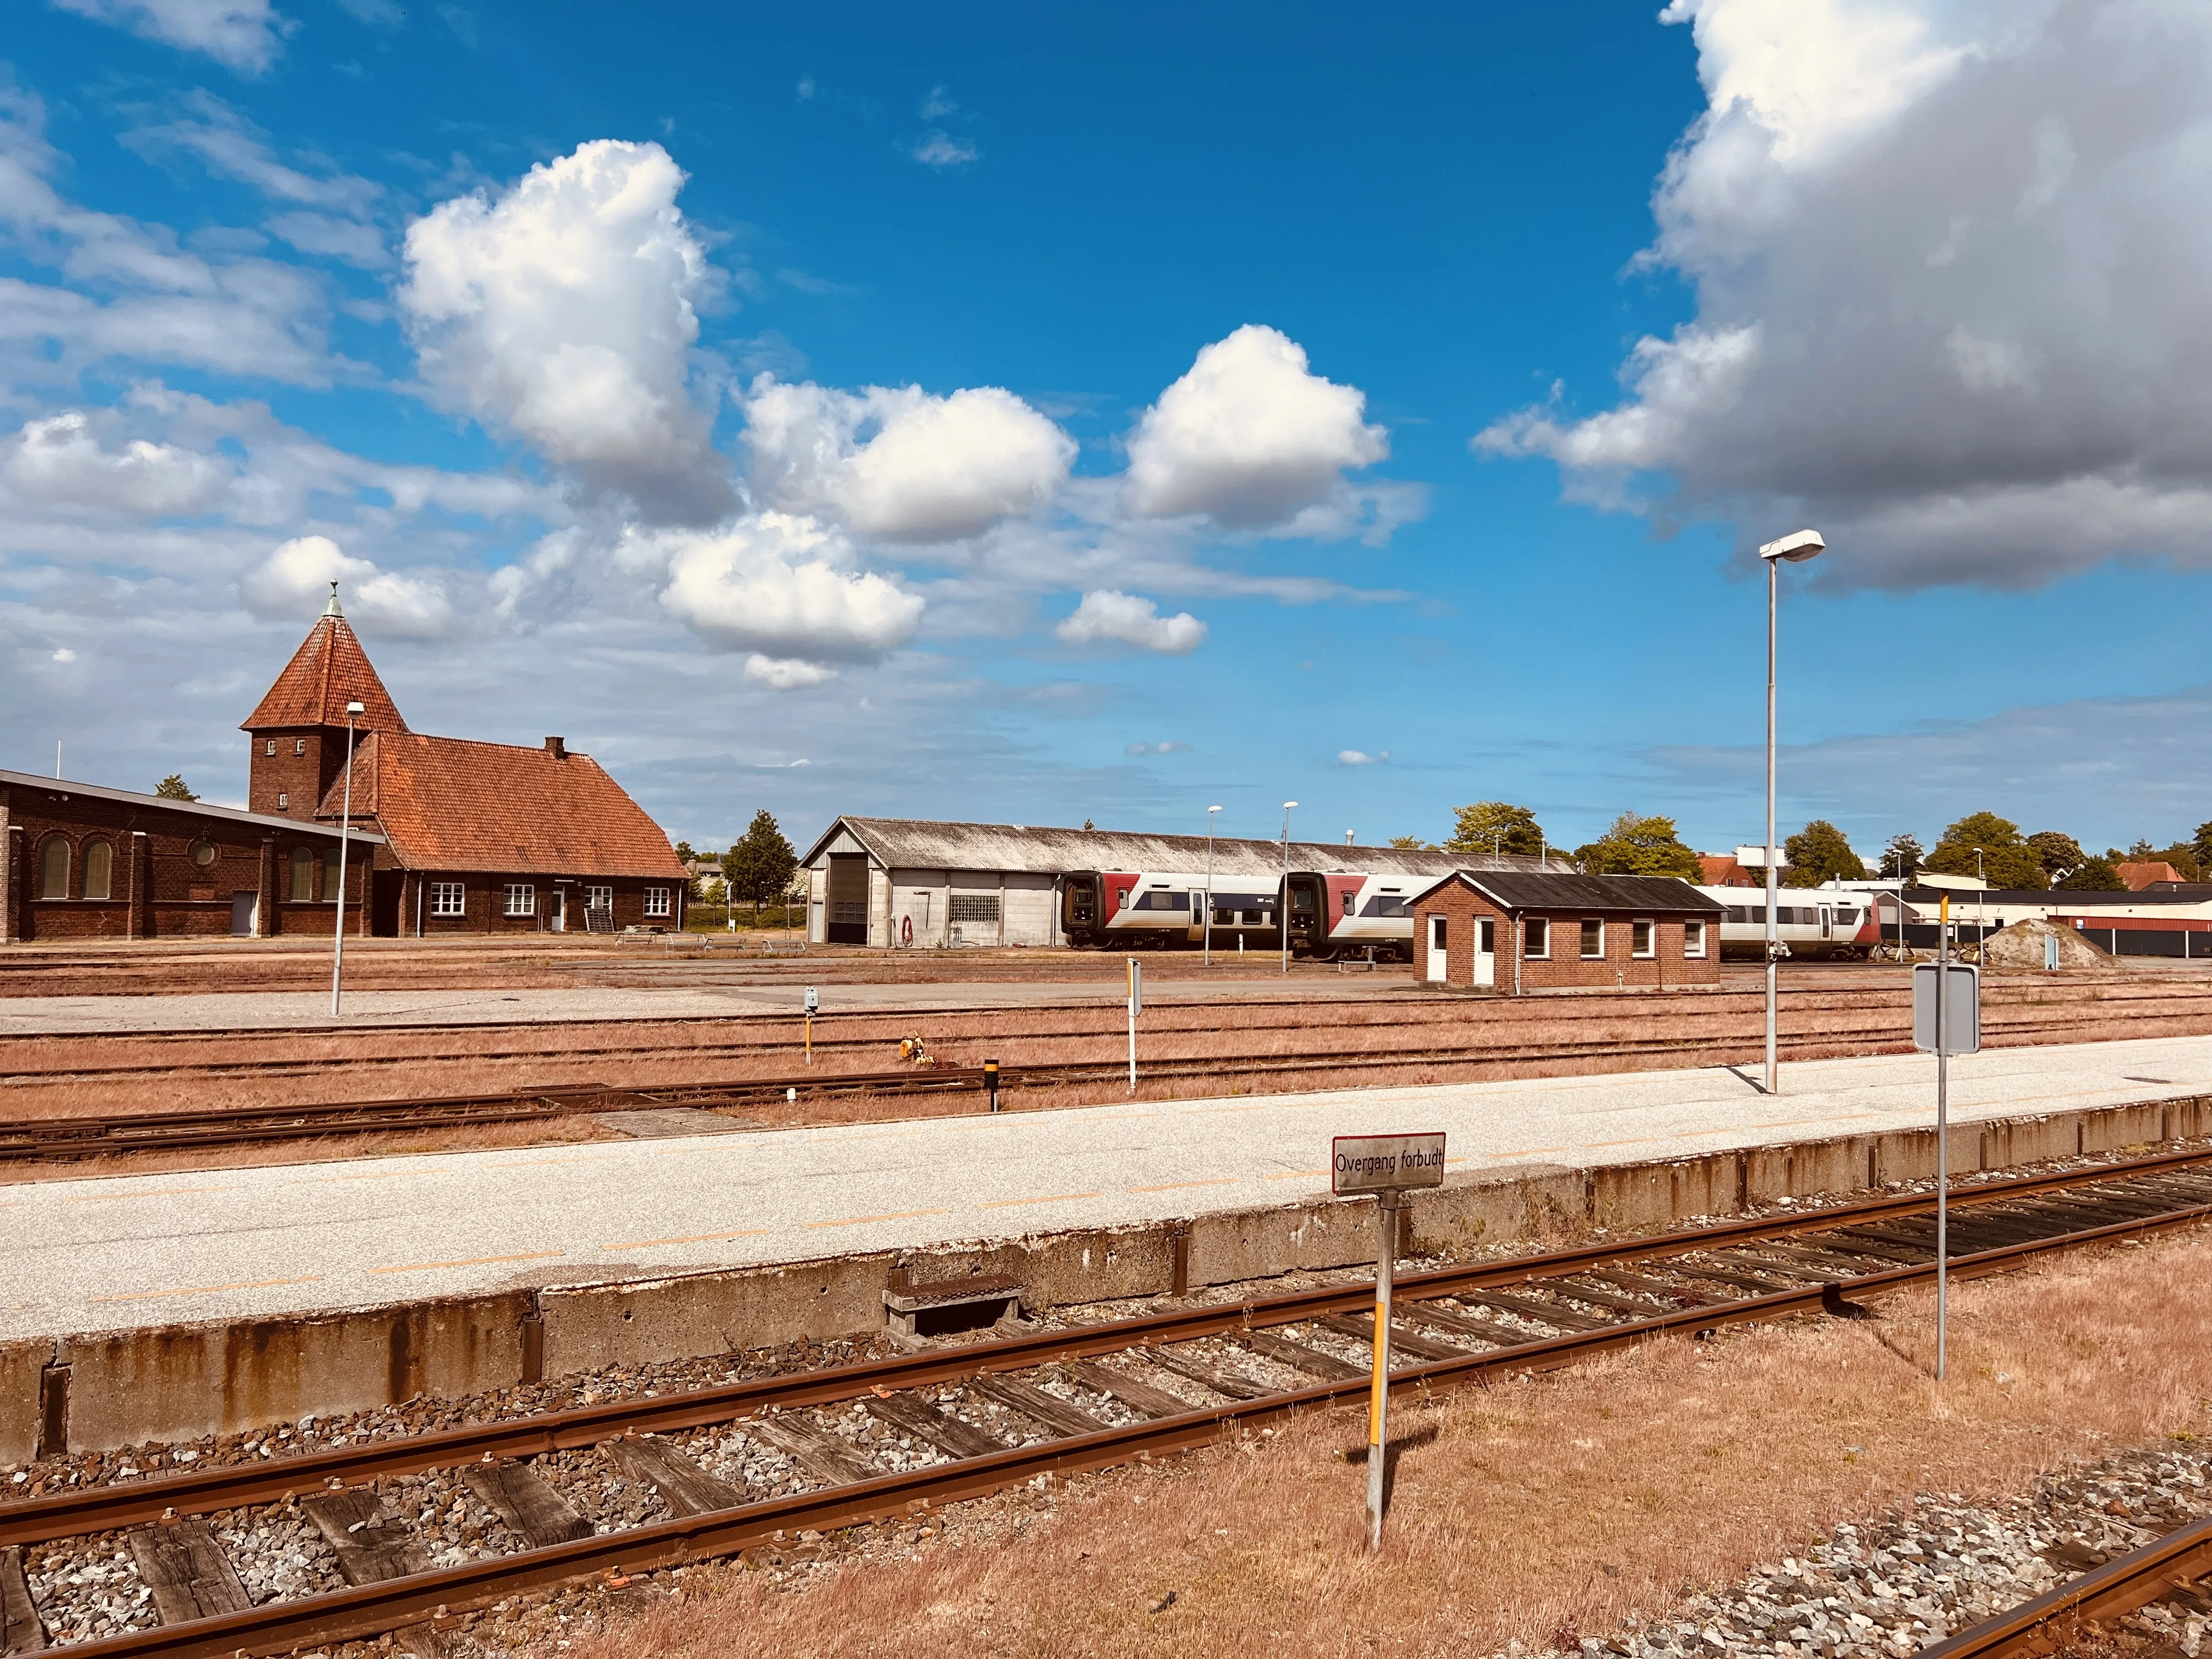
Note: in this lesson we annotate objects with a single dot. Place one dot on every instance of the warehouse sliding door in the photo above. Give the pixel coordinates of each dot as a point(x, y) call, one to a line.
point(848, 922)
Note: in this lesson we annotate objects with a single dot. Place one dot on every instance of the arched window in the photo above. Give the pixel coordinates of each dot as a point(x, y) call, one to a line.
point(331, 875)
point(54, 869)
point(303, 875)
point(98, 869)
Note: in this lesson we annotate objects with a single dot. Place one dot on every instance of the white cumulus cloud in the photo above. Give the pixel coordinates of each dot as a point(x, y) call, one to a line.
point(245, 34)
point(781, 587)
point(1949, 269)
point(565, 310)
point(900, 466)
point(1109, 617)
point(293, 583)
point(60, 462)
point(1250, 437)
point(786, 674)
point(1360, 758)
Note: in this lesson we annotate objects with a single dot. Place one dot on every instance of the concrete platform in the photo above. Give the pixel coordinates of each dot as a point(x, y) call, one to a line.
point(96, 1255)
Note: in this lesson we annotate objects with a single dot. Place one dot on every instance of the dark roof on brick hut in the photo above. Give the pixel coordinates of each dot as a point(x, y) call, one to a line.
point(454, 803)
point(1520, 890)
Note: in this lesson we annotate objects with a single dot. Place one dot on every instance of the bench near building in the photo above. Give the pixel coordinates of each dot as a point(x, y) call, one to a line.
point(1516, 932)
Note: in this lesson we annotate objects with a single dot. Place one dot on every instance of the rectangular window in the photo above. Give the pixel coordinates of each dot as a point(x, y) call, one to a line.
point(521, 899)
point(1536, 938)
point(1693, 939)
point(984, 907)
point(299, 745)
point(272, 748)
point(656, 900)
point(1593, 941)
point(1155, 900)
point(1643, 939)
point(598, 898)
point(448, 898)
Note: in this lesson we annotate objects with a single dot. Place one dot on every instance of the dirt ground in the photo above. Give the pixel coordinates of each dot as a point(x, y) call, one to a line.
point(1532, 1513)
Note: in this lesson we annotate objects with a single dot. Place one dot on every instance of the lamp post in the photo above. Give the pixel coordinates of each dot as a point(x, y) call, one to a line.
point(1981, 926)
point(1210, 811)
point(345, 834)
point(1283, 913)
point(1796, 548)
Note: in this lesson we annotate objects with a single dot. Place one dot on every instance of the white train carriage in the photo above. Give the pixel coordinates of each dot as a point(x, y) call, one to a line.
point(1155, 910)
point(1812, 921)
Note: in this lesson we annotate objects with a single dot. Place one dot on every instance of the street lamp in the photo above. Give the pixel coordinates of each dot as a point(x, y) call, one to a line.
point(1283, 911)
point(1210, 811)
point(1796, 548)
point(354, 710)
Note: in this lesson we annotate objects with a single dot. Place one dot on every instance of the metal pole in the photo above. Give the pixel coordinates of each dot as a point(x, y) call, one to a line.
point(345, 834)
point(1773, 884)
point(1378, 1404)
point(1283, 908)
point(1210, 811)
point(1943, 1140)
point(1132, 1024)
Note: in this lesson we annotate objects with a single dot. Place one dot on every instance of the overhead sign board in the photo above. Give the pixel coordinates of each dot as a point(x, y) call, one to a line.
point(1960, 984)
point(1380, 1164)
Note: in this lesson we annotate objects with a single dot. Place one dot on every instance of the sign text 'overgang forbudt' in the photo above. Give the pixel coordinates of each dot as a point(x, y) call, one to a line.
point(1376, 1164)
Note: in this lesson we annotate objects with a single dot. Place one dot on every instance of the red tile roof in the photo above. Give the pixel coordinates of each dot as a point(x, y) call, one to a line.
point(328, 670)
point(2137, 876)
point(452, 804)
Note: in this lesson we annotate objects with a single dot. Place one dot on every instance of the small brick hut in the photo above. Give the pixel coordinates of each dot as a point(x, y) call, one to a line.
point(1515, 931)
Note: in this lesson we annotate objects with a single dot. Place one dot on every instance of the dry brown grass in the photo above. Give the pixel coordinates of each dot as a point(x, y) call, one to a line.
point(1528, 1512)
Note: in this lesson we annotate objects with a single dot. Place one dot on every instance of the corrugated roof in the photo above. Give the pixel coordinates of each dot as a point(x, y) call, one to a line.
point(1532, 891)
point(454, 803)
point(1962, 904)
point(328, 670)
point(924, 844)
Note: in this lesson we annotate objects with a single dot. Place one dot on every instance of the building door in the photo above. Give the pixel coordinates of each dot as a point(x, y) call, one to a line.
point(557, 912)
point(244, 908)
point(384, 903)
point(1438, 961)
point(847, 885)
point(1485, 952)
point(1827, 922)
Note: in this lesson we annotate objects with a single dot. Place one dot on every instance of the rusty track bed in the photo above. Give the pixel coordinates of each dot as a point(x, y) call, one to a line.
point(1748, 1270)
point(2171, 1566)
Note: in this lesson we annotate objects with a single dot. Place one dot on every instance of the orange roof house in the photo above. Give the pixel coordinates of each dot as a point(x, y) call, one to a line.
point(2138, 876)
point(477, 837)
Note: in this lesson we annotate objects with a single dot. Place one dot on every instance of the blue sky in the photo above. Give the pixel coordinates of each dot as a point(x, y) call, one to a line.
point(1112, 412)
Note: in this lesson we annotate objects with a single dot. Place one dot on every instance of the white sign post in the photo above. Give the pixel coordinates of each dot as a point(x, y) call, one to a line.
point(1386, 1165)
point(1947, 1020)
point(813, 1002)
point(1136, 1007)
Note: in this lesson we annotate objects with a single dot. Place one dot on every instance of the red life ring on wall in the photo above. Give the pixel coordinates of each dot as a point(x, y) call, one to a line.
point(906, 930)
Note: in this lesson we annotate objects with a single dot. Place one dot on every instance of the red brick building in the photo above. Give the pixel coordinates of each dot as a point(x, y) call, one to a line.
point(1518, 931)
point(448, 834)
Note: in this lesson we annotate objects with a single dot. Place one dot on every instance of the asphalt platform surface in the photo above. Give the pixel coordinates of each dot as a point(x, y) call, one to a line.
point(87, 1256)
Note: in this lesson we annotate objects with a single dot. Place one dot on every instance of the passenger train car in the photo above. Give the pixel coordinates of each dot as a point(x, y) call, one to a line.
point(1813, 921)
point(1333, 912)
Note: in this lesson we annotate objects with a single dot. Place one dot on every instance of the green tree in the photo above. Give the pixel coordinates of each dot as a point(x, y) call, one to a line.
point(2201, 846)
point(2142, 850)
point(1634, 845)
point(2182, 855)
point(2094, 875)
point(1411, 843)
point(2007, 860)
point(1821, 852)
point(1903, 856)
point(762, 864)
point(683, 853)
point(172, 788)
point(2057, 854)
point(1495, 826)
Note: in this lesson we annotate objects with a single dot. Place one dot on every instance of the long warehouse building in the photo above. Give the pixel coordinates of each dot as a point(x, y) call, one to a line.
point(914, 882)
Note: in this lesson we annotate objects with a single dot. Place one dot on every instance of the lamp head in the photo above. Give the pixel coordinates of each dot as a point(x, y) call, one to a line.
point(1797, 548)
point(1213, 809)
point(356, 708)
point(1288, 804)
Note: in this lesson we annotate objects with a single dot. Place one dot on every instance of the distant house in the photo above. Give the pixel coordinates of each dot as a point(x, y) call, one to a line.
point(2137, 876)
point(1744, 867)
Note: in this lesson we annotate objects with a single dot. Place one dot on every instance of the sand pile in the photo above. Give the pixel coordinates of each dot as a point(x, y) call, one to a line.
point(2020, 945)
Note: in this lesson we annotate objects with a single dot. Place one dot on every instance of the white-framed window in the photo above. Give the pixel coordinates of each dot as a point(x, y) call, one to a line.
point(98, 869)
point(1593, 941)
point(272, 748)
point(448, 898)
point(1693, 939)
point(521, 899)
point(1536, 938)
point(54, 869)
point(299, 745)
point(1643, 939)
point(656, 901)
point(598, 898)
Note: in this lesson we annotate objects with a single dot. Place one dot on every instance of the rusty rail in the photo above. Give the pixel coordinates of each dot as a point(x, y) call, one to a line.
point(2051, 1620)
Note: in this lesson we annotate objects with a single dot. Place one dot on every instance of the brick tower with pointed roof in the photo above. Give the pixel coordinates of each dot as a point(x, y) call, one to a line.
point(299, 728)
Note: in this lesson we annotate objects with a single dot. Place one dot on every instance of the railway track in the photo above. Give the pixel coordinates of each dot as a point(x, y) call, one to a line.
point(717, 1470)
point(1703, 1022)
point(2175, 1567)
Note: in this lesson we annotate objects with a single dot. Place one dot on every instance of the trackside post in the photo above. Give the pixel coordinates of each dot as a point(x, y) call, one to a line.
point(1136, 1007)
point(1947, 1020)
point(813, 1003)
point(1388, 1166)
